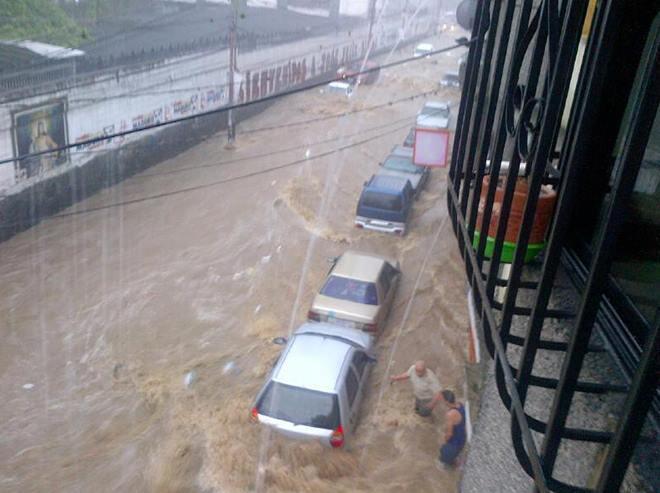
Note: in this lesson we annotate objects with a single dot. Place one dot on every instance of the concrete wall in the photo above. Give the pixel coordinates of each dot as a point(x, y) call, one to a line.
point(130, 99)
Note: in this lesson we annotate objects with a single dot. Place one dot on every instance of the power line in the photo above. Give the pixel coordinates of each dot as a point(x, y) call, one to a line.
point(224, 180)
point(269, 153)
point(264, 99)
point(299, 122)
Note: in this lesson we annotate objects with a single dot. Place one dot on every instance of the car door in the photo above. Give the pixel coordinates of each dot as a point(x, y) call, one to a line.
point(352, 386)
point(359, 365)
point(389, 274)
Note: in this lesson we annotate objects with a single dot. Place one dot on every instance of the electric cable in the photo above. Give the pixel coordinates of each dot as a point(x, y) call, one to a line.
point(303, 88)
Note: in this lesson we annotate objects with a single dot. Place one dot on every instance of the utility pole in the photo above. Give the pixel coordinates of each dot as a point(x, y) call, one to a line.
point(372, 18)
point(231, 128)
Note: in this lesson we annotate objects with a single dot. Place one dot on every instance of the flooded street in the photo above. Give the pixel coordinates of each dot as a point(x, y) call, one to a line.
point(189, 270)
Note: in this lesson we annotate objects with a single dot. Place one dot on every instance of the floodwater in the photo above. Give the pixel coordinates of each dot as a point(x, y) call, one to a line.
point(104, 314)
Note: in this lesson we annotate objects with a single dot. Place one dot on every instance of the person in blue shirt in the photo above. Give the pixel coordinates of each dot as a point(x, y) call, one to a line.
point(455, 431)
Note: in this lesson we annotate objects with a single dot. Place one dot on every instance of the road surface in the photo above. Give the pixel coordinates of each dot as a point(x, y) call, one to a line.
point(104, 313)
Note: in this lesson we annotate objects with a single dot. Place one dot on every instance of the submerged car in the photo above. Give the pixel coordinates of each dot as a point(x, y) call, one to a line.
point(340, 87)
point(409, 141)
point(422, 49)
point(434, 114)
point(314, 390)
point(400, 163)
point(357, 293)
point(450, 79)
point(385, 204)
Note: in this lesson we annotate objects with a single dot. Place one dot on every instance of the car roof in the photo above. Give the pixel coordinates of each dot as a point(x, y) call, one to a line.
point(402, 151)
point(388, 183)
point(354, 337)
point(361, 266)
point(313, 361)
point(436, 104)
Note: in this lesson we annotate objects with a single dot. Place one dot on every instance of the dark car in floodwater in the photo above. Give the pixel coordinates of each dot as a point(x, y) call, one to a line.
point(385, 204)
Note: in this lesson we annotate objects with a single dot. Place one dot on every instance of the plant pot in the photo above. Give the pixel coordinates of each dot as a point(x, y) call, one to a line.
point(543, 216)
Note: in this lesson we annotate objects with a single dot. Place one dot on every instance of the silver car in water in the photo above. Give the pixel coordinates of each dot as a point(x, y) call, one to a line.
point(314, 390)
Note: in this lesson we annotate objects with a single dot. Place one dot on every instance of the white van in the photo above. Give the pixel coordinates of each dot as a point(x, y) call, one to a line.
point(422, 49)
point(339, 87)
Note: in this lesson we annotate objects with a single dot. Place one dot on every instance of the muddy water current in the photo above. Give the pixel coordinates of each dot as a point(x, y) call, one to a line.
point(136, 336)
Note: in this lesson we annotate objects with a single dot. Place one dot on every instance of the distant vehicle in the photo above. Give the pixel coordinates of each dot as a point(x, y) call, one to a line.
point(314, 390)
point(352, 73)
point(450, 79)
point(357, 293)
point(423, 49)
point(400, 163)
point(434, 114)
point(410, 138)
point(385, 204)
point(339, 87)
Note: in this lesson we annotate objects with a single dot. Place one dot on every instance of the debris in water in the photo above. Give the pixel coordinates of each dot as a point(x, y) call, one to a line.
point(190, 378)
point(117, 369)
point(229, 367)
point(265, 259)
point(257, 309)
point(308, 153)
point(273, 183)
point(28, 386)
point(279, 249)
point(237, 276)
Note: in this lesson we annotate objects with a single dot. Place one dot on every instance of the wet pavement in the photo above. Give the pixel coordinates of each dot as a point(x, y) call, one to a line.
point(104, 313)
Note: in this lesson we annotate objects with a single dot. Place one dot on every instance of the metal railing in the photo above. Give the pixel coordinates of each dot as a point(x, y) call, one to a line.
point(518, 76)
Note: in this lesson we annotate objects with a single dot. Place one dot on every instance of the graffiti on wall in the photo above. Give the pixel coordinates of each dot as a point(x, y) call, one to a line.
point(37, 129)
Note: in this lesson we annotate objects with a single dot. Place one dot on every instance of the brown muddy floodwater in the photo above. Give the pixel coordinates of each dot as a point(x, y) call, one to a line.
point(104, 313)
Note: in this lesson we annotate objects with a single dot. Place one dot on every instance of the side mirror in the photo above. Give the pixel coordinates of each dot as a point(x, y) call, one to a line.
point(371, 359)
point(280, 341)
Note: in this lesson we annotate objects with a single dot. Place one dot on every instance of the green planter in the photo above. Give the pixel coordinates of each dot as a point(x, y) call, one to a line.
point(508, 249)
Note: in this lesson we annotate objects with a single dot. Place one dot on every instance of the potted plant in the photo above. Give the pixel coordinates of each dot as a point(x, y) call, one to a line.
point(542, 218)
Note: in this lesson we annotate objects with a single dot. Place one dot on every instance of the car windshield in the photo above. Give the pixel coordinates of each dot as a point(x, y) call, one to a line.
point(378, 200)
point(300, 406)
point(435, 112)
point(400, 163)
point(350, 290)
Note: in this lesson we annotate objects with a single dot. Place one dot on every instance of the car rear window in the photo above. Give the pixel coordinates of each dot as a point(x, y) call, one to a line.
point(300, 406)
point(439, 112)
point(385, 201)
point(400, 163)
point(350, 290)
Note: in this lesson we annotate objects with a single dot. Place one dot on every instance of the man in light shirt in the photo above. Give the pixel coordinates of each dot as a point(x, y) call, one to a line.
point(426, 387)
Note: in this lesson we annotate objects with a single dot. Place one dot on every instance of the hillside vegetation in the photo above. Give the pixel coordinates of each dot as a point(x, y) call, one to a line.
point(39, 20)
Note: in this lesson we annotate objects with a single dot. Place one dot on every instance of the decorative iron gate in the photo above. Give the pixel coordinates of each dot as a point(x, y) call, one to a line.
point(517, 89)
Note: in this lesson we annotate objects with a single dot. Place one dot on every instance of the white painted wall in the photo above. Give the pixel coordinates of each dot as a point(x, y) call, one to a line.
point(178, 87)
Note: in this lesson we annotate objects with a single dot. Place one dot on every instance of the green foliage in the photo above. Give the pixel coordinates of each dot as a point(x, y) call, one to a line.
point(38, 20)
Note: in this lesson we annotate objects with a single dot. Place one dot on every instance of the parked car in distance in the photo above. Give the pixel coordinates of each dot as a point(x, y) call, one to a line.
point(385, 204)
point(422, 49)
point(314, 390)
point(434, 114)
point(400, 163)
point(357, 293)
point(450, 79)
point(409, 141)
point(340, 87)
point(352, 73)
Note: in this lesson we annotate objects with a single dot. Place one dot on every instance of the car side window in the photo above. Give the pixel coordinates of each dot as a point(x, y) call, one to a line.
point(385, 280)
point(389, 273)
point(359, 362)
point(351, 386)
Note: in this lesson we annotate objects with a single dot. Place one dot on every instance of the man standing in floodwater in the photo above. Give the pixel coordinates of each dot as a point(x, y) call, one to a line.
point(426, 387)
point(455, 431)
